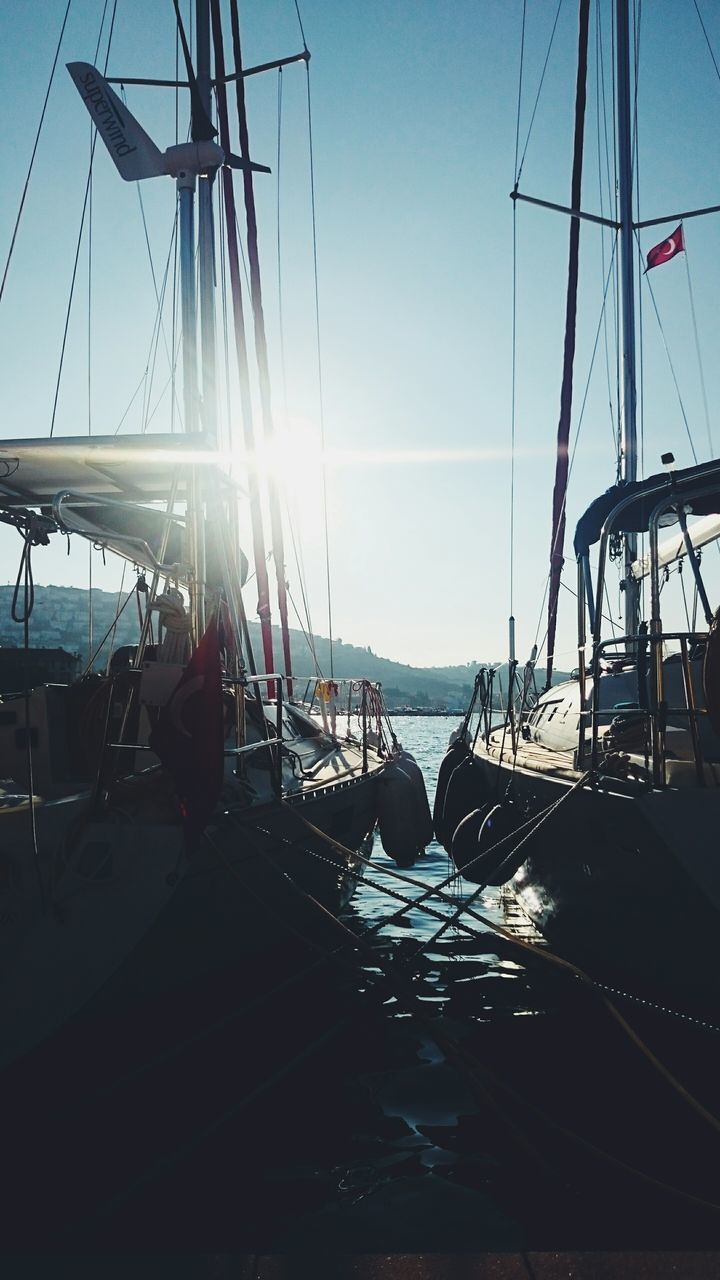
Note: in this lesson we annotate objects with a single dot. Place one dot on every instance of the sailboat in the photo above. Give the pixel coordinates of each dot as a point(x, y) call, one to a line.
point(597, 803)
point(184, 811)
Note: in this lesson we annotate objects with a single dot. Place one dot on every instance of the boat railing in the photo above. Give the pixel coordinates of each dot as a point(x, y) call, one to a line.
point(647, 716)
point(237, 684)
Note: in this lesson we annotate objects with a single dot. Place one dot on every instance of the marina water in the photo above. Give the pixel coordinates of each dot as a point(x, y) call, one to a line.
point(430, 1088)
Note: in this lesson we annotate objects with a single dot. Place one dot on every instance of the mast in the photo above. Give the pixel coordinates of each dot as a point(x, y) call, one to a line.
point(628, 433)
point(186, 204)
point(258, 536)
point(260, 342)
point(206, 246)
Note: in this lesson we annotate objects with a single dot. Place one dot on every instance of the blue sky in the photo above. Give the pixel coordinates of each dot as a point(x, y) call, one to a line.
point(414, 110)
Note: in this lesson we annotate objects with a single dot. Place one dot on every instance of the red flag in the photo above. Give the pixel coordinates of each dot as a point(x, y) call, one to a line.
point(667, 249)
point(189, 735)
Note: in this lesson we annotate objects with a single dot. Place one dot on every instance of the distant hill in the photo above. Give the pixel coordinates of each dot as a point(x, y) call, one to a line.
point(60, 620)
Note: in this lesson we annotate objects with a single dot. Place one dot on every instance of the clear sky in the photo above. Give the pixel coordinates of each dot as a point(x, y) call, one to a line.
point(414, 115)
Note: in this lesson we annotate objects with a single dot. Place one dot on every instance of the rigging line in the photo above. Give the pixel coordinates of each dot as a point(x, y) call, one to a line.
point(308, 636)
point(581, 416)
point(513, 380)
point(616, 190)
point(684, 595)
point(608, 606)
point(701, 370)
point(669, 359)
point(513, 338)
point(89, 298)
point(608, 618)
point(636, 168)
point(82, 221)
point(113, 628)
point(133, 398)
point(707, 39)
point(319, 363)
point(302, 31)
point(155, 337)
point(33, 153)
point(297, 551)
point(158, 296)
point(159, 401)
point(281, 324)
point(520, 85)
point(89, 393)
point(173, 331)
point(146, 370)
point(241, 246)
point(225, 323)
point(518, 171)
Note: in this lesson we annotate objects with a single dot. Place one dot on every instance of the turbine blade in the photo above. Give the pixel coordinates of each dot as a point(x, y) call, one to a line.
point(134, 153)
point(237, 162)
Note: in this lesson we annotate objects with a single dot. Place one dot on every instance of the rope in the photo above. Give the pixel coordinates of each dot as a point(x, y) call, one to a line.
point(158, 325)
point(669, 360)
point(34, 150)
point(321, 396)
point(112, 627)
point(707, 39)
point(470, 1064)
point(281, 320)
point(584, 978)
point(519, 168)
point(82, 221)
point(300, 24)
point(33, 535)
point(701, 369)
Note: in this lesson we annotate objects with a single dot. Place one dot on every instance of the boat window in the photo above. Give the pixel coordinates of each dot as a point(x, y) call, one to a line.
point(546, 711)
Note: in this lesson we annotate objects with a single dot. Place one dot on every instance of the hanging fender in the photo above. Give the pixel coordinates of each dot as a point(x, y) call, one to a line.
point(462, 790)
point(457, 752)
point(474, 845)
point(404, 816)
point(464, 848)
point(423, 820)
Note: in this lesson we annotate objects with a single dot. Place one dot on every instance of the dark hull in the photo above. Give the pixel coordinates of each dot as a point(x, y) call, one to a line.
point(613, 884)
point(260, 890)
point(263, 880)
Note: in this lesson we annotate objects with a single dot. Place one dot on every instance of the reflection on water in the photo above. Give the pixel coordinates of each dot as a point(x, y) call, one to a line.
point(510, 1107)
point(434, 1090)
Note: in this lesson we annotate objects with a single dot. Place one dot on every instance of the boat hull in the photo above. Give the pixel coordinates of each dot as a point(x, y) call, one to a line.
point(160, 939)
point(622, 885)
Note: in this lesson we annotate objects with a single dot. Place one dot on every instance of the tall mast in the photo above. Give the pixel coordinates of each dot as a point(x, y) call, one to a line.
point(258, 536)
point(206, 282)
point(206, 247)
point(186, 180)
point(628, 434)
point(261, 343)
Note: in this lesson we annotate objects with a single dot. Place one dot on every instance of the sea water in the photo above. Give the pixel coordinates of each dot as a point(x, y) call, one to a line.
point(429, 1088)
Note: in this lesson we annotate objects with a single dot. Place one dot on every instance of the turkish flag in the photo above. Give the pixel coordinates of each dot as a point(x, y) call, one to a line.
point(189, 735)
point(667, 249)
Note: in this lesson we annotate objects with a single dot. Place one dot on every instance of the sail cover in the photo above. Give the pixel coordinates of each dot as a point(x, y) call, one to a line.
point(647, 493)
point(108, 480)
point(134, 468)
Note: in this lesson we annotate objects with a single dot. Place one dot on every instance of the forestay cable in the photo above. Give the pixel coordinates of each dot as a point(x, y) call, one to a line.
point(34, 150)
point(82, 220)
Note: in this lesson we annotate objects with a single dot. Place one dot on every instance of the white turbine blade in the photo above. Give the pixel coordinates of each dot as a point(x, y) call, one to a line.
point(134, 153)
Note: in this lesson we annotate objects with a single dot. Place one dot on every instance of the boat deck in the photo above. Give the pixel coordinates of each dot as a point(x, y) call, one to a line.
point(530, 755)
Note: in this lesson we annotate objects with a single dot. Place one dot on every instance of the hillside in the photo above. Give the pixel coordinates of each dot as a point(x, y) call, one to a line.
point(59, 620)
